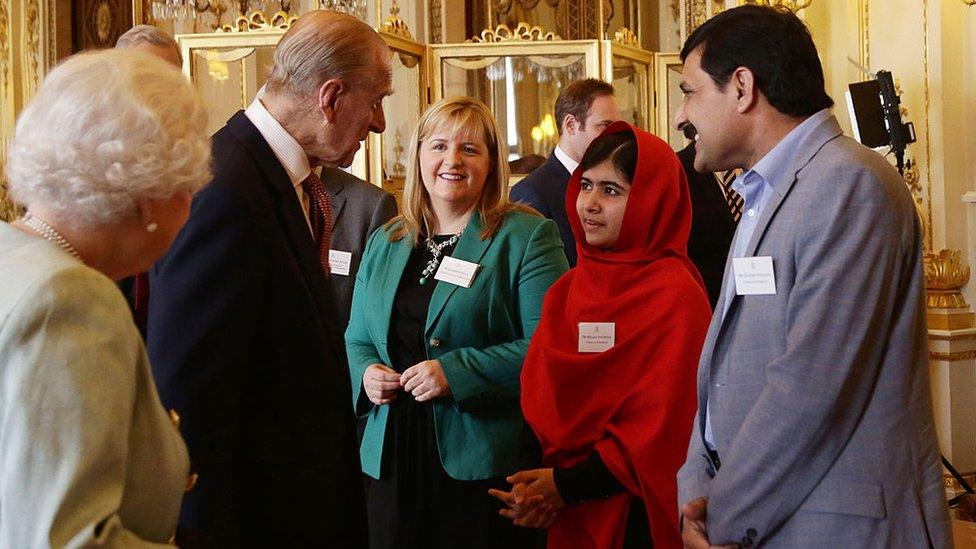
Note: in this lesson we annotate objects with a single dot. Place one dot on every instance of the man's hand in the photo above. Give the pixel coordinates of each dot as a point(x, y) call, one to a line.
point(425, 381)
point(693, 531)
point(381, 384)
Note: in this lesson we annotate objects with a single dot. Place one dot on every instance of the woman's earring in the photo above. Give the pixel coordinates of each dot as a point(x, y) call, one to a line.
point(151, 227)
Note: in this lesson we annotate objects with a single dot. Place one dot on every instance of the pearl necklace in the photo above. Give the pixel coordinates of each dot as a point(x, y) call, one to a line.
point(48, 233)
point(437, 250)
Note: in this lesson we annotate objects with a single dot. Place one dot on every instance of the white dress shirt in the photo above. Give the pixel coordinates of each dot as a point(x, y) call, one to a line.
point(565, 160)
point(288, 152)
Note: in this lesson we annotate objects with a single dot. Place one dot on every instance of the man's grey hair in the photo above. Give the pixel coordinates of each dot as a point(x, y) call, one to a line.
point(148, 34)
point(106, 130)
point(320, 46)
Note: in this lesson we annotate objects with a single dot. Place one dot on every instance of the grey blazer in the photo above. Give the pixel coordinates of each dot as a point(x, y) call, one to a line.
point(358, 209)
point(88, 456)
point(819, 395)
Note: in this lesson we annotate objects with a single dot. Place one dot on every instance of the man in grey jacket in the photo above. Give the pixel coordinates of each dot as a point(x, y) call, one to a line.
point(815, 424)
point(358, 209)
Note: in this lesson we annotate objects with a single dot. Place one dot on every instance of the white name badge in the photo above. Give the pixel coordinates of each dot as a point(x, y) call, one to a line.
point(754, 275)
point(596, 337)
point(457, 271)
point(339, 262)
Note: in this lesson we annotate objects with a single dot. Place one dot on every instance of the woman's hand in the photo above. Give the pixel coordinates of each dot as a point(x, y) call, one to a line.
point(425, 381)
point(534, 499)
point(381, 384)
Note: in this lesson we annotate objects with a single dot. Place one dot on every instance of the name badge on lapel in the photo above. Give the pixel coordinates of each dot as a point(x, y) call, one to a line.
point(596, 337)
point(457, 271)
point(754, 275)
point(339, 262)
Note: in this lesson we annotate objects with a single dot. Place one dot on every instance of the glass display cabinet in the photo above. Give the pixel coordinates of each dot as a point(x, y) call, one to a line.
point(631, 71)
point(667, 68)
point(388, 152)
point(518, 74)
point(229, 66)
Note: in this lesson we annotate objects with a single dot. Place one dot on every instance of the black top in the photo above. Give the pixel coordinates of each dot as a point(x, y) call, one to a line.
point(588, 479)
point(407, 347)
point(712, 225)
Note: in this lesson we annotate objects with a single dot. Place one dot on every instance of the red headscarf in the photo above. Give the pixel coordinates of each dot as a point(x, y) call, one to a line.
point(634, 403)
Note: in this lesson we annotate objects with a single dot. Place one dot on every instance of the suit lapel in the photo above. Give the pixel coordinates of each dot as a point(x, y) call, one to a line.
point(334, 186)
point(809, 147)
point(470, 248)
point(289, 212)
point(396, 263)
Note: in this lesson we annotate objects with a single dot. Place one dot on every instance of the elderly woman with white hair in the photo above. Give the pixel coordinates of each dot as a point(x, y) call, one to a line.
point(105, 160)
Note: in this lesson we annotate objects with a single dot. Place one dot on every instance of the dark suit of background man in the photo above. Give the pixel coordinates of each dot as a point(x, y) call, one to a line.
point(358, 209)
point(815, 425)
point(712, 222)
point(245, 336)
point(583, 110)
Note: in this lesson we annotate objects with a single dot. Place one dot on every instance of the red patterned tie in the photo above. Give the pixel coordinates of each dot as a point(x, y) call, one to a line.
point(320, 215)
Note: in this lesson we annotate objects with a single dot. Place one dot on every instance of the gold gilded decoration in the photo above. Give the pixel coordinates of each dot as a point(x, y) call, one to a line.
point(626, 37)
point(434, 22)
point(4, 48)
point(945, 275)
point(952, 357)
point(523, 33)
point(258, 21)
point(395, 25)
point(33, 42)
point(505, 6)
point(103, 21)
point(953, 484)
point(914, 183)
point(969, 3)
point(792, 5)
point(399, 170)
point(928, 143)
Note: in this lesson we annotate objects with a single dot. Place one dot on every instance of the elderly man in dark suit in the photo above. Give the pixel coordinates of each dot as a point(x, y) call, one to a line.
point(245, 335)
point(583, 110)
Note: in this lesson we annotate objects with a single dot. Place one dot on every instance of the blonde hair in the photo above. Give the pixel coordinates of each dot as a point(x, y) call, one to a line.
point(464, 116)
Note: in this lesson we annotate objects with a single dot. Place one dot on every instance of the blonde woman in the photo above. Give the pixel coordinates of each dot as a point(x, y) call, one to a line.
point(105, 159)
point(446, 299)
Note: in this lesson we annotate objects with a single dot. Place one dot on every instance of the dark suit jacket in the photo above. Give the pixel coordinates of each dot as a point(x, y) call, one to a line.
point(358, 209)
point(712, 226)
point(545, 190)
point(246, 344)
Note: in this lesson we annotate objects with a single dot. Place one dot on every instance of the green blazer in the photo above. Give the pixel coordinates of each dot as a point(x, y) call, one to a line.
point(480, 335)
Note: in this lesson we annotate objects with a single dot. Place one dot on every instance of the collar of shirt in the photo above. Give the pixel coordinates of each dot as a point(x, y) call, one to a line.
point(772, 171)
point(288, 152)
point(565, 160)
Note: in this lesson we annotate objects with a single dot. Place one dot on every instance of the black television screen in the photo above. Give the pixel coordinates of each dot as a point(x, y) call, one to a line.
point(867, 116)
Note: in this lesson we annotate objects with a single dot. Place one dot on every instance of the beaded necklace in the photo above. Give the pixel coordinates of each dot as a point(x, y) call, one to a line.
point(48, 233)
point(437, 251)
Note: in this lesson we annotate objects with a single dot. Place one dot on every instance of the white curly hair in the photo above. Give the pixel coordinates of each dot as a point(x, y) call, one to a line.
point(107, 129)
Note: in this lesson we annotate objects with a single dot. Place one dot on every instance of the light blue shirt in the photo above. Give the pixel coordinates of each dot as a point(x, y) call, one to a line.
point(757, 186)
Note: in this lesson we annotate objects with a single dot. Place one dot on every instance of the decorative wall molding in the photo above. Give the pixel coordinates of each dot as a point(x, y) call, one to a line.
point(523, 32)
point(258, 21)
point(952, 357)
point(435, 20)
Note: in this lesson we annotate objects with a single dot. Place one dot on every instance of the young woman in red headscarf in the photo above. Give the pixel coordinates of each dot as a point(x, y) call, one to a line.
point(608, 384)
